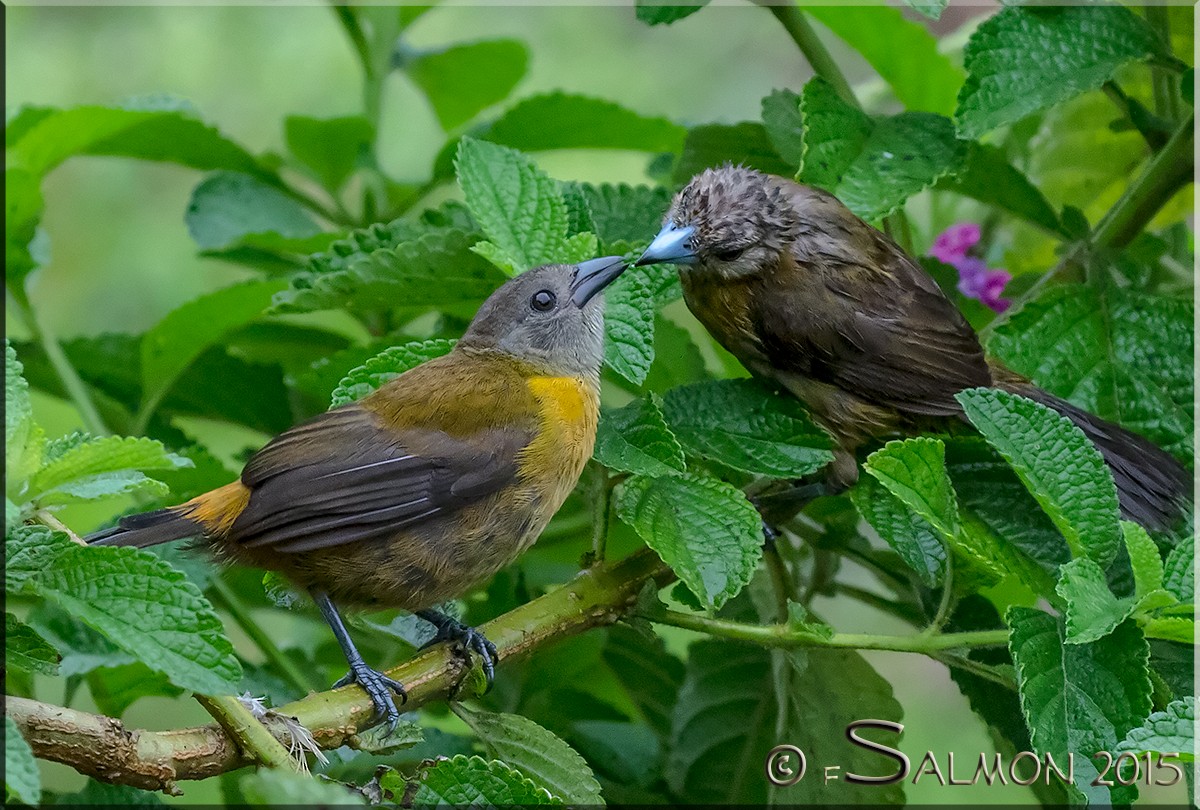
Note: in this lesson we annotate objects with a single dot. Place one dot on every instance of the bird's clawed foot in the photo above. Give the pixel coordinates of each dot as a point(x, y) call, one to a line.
point(380, 688)
point(473, 641)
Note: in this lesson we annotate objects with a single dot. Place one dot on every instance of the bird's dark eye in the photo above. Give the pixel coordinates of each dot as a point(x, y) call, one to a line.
point(543, 301)
point(730, 254)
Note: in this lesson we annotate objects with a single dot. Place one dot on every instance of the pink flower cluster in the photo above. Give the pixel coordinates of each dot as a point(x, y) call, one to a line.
point(975, 279)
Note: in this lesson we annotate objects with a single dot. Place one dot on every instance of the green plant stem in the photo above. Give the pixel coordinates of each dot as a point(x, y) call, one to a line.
point(796, 23)
point(1167, 172)
point(975, 668)
point(947, 600)
point(901, 611)
point(602, 488)
point(255, 739)
point(104, 748)
point(1153, 138)
point(781, 581)
point(47, 519)
point(780, 635)
point(1166, 102)
point(229, 601)
point(72, 382)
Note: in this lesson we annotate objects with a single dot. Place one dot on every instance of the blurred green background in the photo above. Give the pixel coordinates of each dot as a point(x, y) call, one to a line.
point(121, 257)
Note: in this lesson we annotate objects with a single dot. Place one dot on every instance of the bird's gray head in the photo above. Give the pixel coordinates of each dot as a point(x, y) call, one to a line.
point(732, 221)
point(551, 317)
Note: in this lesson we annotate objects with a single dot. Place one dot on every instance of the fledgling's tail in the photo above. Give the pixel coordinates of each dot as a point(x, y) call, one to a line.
point(1153, 488)
point(212, 512)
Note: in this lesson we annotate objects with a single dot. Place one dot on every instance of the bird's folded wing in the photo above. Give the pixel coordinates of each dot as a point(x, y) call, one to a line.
point(342, 478)
point(901, 345)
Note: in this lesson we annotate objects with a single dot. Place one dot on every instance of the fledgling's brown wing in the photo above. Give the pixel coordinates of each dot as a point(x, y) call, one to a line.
point(343, 478)
point(873, 322)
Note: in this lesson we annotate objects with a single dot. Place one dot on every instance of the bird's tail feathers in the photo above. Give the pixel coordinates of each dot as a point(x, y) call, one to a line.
point(1153, 488)
point(211, 513)
point(147, 529)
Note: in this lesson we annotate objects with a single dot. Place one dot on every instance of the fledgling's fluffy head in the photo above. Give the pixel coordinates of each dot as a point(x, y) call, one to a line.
point(735, 221)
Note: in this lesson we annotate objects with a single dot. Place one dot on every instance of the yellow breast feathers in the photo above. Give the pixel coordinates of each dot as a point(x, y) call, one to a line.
point(568, 408)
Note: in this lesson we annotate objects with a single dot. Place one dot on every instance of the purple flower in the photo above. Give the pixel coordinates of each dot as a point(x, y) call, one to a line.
point(975, 279)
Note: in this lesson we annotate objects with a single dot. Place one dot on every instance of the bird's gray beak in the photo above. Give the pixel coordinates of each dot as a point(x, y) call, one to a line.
point(593, 276)
point(673, 244)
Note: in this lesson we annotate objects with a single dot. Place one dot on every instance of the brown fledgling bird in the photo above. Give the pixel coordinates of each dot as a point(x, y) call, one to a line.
point(807, 295)
point(429, 485)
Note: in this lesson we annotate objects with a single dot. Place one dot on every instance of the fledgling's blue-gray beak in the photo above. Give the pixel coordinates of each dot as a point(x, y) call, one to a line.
point(593, 276)
point(673, 244)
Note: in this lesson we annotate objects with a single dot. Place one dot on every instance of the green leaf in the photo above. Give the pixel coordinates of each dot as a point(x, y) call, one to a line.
point(22, 212)
point(1122, 355)
point(464, 780)
point(914, 470)
point(169, 135)
point(987, 176)
point(713, 145)
point(905, 54)
point(24, 649)
point(911, 535)
point(179, 338)
point(568, 121)
point(1172, 628)
point(1058, 465)
point(136, 600)
point(228, 206)
point(102, 794)
point(704, 529)
point(784, 125)
point(913, 473)
point(1171, 731)
point(903, 155)
point(22, 780)
point(623, 213)
point(629, 308)
point(746, 425)
point(330, 148)
point(23, 439)
point(115, 689)
point(650, 673)
point(729, 716)
point(278, 788)
point(518, 206)
point(1092, 611)
point(434, 269)
point(1143, 558)
point(387, 365)
point(1079, 698)
point(873, 165)
point(93, 462)
point(1027, 59)
point(462, 80)
point(636, 439)
point(539, 754)
point(835, 132)
point(652, 13)
point(1179, 571)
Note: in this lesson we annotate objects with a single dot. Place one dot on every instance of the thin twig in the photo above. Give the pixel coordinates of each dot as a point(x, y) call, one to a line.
point(781, 635)
point(75, 387)
point(255, 740)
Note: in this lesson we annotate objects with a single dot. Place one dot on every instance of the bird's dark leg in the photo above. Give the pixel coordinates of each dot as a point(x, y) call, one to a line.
point(451, 629)
point(782, 505)
point(377, 685)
